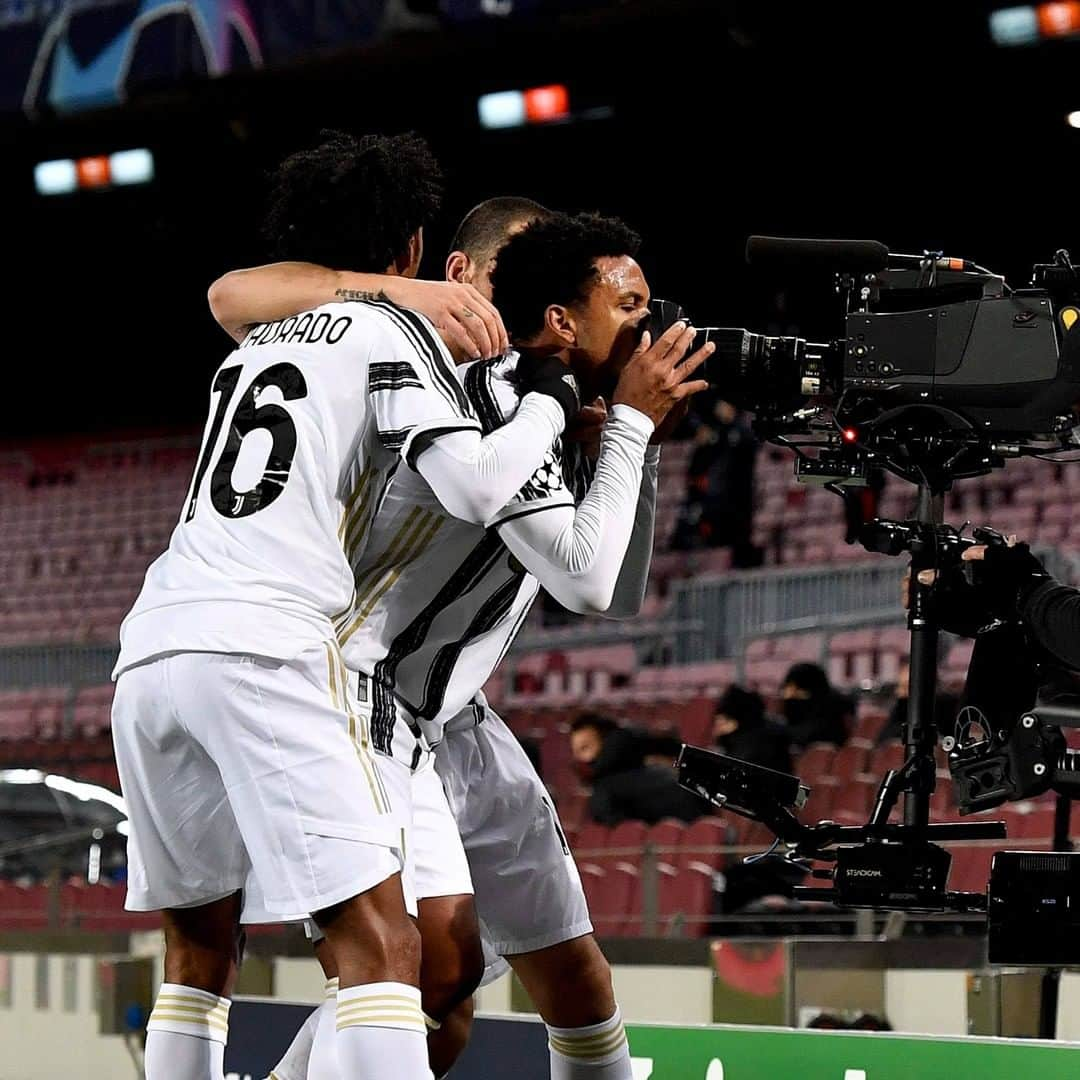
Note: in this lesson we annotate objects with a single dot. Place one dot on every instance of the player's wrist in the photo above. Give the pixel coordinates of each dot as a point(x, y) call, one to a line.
point(633, 419)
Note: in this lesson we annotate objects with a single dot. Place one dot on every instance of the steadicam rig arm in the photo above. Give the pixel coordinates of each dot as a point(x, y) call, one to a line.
point(881, 864)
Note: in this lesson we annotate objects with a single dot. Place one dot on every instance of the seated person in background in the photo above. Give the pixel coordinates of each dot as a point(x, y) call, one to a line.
point(814, 711)
point(743, 729)
point(630, 771)
point(893, 728)
point(719, 507)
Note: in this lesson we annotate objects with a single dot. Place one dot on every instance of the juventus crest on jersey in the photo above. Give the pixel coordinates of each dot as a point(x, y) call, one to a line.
point(438, 600)
point(307, 420)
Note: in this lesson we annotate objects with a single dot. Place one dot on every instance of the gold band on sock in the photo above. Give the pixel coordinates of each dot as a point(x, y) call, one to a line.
point(187, 1011)
point(590, 1044)
point(381, 1010)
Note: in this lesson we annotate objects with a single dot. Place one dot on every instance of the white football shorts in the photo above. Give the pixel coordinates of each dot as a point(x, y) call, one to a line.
point(436, 859)
point(526, 883)
point(234, 765)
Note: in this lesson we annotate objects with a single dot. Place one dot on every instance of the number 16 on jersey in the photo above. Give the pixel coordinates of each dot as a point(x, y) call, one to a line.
point(249, 416)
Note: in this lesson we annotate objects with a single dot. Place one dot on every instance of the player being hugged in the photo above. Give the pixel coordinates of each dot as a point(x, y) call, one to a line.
point(429, 626)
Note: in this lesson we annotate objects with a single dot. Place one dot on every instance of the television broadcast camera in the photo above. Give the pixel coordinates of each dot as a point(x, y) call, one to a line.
point(943, 372)
point(941, 364)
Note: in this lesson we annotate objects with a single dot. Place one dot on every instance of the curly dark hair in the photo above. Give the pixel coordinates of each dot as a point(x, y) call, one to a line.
point(352, 203)
point(553, 261)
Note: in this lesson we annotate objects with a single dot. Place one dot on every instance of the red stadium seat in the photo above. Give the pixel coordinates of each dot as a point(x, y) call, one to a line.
point(850, 761)
point(686, 897)
point(815, 761)
point(970, 869)
point(853, 801)
point(702, 839)
point(593, 838)
point(667, 835)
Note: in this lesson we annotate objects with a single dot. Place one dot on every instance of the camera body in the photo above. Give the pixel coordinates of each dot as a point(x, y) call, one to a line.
point(930, 353)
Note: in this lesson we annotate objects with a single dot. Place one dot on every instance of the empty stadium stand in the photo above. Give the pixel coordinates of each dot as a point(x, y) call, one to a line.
point(80, 523)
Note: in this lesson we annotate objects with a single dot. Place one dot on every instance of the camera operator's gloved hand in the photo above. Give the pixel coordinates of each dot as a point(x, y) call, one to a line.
point(1001, 574)
point(549, 375)
point(1004, 573)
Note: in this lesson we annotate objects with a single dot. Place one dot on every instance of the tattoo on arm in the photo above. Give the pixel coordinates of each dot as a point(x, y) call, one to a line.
point(359, 295)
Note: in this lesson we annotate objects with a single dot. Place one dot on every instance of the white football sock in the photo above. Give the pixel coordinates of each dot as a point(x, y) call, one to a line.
point(186, 1034)
point(381, 1033)
point(294, 1062)
point(597, 1052)
point(324, 1057)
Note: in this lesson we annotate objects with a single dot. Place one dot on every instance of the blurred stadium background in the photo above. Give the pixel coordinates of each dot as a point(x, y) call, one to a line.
point(132, 178)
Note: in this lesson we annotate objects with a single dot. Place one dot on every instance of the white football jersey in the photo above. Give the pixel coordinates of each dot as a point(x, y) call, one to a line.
point(439, 600)
point(308, 419)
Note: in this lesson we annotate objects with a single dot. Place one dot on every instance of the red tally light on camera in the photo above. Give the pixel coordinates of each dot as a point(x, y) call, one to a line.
point(850, 435)
point(546, 103)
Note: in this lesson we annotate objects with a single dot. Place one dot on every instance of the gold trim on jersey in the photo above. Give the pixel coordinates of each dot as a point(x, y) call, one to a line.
point(361, 485)
point(340, 701)
point(417, 551)
point(353, 526)
point(408, 544)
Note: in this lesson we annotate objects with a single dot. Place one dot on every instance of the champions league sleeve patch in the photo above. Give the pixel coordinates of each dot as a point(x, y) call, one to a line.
point(547, 480)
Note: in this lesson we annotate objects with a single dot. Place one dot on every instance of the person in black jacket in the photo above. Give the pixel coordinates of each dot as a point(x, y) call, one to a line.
point(630, 771)
point(814, 711)
point(1009, 584)
point(743, 729)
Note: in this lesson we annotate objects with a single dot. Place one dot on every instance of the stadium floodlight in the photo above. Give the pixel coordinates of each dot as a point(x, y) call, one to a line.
point(505, 109)
point(1015, 26)
point(544, 104)
point(1073, 119)
point(132, 166)
point(55, 177)
point(1059, 19)
point(65, 175)
point(516, 108)
point(93, 172)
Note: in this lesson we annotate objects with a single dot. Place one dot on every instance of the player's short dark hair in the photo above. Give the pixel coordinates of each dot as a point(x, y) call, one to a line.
point(352, 203)
point(484, 229)
point(602, 724)
point(553, 261)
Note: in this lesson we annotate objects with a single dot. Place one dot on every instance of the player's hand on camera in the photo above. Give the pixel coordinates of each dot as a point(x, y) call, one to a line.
point(657, 377)
point(468, 324)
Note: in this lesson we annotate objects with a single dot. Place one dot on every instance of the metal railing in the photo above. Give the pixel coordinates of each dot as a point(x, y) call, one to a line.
point(26, 666)
point(714, 618)
point(708, 619)
point(731, 611)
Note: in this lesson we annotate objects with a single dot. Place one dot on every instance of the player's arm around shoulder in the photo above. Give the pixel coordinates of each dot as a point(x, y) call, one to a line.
point(468, 323)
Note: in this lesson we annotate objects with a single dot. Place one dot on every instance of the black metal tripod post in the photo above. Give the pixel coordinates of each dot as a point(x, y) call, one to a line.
point(1051, 983)
point(920, 731)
